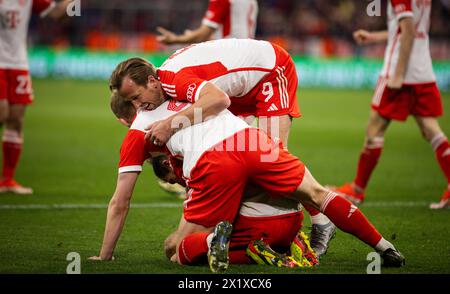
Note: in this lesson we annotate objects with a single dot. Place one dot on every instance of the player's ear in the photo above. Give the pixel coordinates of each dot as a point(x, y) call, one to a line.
point(166, 162)
point(152, 81)
point(124, 122)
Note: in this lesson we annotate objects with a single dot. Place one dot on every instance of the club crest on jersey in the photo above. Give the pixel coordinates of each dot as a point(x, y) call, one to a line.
point(190, 91)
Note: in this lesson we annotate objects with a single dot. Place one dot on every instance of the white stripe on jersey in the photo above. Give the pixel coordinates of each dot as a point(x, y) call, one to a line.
point(171, 95)
point(173, 91)
point(167, 86)
point(379, 91)
point(284, 86)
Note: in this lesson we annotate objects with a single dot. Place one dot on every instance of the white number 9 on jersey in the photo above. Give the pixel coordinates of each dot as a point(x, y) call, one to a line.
point(267, 91)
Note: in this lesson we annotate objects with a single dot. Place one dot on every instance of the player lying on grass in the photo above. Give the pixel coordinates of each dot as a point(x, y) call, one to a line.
point(220, 156)
point(263, 227)
point(259, 80)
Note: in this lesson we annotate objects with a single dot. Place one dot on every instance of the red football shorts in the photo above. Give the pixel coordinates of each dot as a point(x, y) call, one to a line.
point(277, 231)
point(418, 100)
point(15, 86)
point(275, 95)
point(219, 178)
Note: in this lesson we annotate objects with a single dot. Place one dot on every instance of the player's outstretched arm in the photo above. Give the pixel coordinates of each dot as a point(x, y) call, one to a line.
point(363, 37)
point(211, 101)
point(117, 213)
point(406, 43)
point(201, 34)
point(60, 9)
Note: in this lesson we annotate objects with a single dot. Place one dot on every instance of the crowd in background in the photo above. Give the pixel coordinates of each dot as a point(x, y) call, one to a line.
point(307, 27)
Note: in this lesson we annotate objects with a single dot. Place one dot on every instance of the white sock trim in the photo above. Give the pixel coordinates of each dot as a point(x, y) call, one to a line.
point(11, 136)
point(383, 245)
point(330, 196)
point(377, 142)
point(437, 140)
point(319, 219)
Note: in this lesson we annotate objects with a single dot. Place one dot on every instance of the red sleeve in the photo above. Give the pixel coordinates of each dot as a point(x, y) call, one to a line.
point(402, 7)
point(182, 86)
point(40, 6)
point(133, 152)
point(188, 86)
point(217, 13)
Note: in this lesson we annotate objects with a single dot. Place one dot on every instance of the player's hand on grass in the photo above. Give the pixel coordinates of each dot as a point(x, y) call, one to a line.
point(98, 258)
point(166, 37)
point(159, 132)
point(395, 82)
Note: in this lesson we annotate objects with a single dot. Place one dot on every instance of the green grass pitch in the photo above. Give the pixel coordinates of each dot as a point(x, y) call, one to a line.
point(71, 152)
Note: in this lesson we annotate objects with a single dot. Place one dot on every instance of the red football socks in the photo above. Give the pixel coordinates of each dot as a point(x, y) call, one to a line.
point(193, 249)
point(442, 150)
point(349, 218)
point(11, 155)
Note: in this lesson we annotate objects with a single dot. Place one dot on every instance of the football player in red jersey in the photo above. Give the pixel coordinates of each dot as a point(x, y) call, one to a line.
point(15, 82)
point(407, 86)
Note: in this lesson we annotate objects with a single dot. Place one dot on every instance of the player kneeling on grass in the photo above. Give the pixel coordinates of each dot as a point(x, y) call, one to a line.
point(225, 147)
point(269, 223)
point(263, 227)
point(259, 81)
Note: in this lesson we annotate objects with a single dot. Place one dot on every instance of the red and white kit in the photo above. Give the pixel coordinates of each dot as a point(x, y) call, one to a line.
point(232, 18)
point(419, 94)
point(259, 77)
point(15, 82)
point(205, 166)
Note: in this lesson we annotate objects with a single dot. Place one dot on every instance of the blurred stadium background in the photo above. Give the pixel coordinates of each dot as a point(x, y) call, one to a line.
point(72, 139)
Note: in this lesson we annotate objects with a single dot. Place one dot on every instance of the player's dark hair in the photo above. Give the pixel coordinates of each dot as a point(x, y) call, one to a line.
point(136, 68)
point(122, 108)
point(159, 167)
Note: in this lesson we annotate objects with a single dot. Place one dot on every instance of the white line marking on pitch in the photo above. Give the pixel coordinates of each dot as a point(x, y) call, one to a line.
point(176, 205)
point(87, 206)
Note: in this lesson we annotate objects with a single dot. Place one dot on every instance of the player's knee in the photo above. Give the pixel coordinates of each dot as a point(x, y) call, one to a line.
point(3, 115)
point(428, 133)
point(374, 142)
point(318, 196)
point(310, 192)
point(14, 124)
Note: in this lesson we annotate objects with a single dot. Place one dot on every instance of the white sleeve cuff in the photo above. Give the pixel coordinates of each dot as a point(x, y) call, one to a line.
point(197, 94)
point(130, 168)
point(404, 14)
point(210, 23)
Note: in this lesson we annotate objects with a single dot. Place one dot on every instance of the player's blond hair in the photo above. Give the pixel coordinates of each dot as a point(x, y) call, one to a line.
point(122, 108)
point(136, 68)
